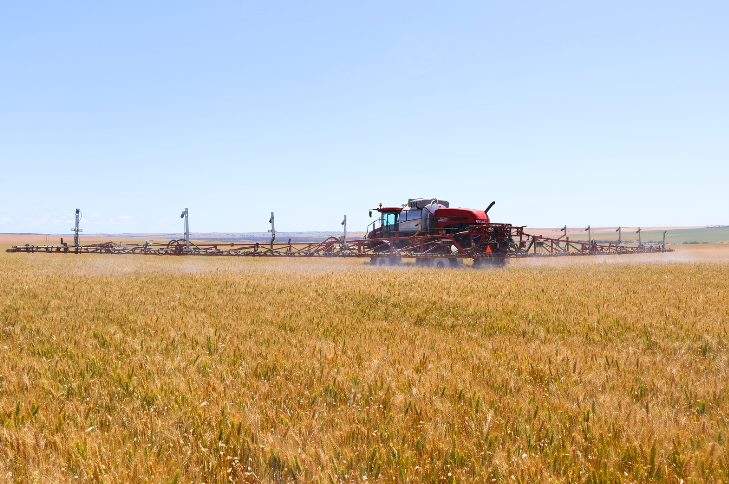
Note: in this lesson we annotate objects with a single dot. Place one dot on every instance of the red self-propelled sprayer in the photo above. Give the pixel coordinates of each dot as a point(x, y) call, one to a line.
point(426, 230)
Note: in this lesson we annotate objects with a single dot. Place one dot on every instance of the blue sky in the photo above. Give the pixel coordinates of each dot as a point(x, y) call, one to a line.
point(563, 112)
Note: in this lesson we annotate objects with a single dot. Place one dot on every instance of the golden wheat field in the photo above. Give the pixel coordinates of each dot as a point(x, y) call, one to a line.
point(214, 370)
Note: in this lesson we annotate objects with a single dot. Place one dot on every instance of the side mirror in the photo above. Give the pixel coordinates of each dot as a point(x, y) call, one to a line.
point(370, 213)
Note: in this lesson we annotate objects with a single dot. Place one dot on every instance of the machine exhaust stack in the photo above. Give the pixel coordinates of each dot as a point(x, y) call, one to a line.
point(640, 242)
point(489, 207)
point(344, 238)
point(589, 236)
point(620, 235)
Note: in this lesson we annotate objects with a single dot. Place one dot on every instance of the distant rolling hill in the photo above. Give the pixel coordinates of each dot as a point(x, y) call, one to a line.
point(674, 235)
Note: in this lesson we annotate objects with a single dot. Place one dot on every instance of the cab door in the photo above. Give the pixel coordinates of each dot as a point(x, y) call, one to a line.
point(389, 224)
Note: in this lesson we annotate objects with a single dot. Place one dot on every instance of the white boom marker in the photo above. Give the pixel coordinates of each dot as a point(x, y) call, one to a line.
point(273, 230)
point(75, 229)
point(186, 216)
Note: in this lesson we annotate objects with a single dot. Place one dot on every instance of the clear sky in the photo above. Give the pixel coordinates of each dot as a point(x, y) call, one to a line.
point(576, 113)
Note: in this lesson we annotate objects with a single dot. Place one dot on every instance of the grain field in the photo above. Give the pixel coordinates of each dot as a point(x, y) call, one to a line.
point(214, 370)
